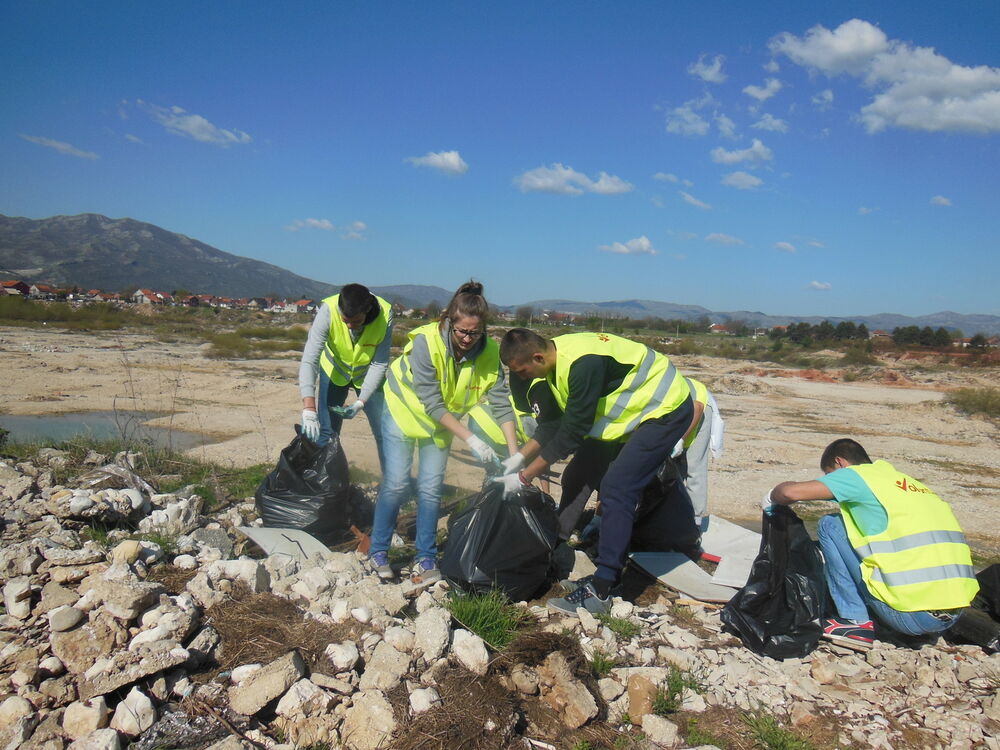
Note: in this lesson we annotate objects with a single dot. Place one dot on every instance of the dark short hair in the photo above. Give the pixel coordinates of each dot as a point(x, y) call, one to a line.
point(845, 448)
point(520, 343)
point(355, 299)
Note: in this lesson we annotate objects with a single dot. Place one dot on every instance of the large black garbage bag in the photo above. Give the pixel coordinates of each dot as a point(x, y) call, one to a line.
point(979, 623)
point(779, 613)
point(501, 542)
point(310, 489)
point(664, 520)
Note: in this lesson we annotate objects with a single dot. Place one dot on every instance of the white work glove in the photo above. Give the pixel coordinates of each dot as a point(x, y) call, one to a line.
point(678, 449)
point(483, 452)
point(511, 483)
point(349, 412)
point(767, 504)
point(513, 464)
point(310, 424)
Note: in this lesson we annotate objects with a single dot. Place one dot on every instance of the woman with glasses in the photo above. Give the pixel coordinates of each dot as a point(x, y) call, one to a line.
point(446, 369)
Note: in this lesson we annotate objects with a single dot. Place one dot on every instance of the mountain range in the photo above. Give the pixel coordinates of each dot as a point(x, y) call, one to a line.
point(94, 251)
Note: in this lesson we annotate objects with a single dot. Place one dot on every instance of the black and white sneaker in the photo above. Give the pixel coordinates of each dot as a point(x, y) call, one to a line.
point(584, 595)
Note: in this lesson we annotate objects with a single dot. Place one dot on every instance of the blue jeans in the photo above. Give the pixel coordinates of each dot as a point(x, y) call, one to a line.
point(850, 594)
point(330, 394)
point(395, 489)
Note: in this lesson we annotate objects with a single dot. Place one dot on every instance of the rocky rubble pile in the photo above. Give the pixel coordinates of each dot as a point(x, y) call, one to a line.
point(95, 653)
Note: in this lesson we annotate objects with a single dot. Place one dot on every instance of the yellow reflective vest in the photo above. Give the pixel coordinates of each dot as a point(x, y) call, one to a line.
point(344, 360)
point(699, 393)
point(652, 388)
point(920, 561)
point(462, 384)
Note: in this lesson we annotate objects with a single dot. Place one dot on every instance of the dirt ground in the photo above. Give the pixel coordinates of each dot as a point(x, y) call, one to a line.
point(777, 421)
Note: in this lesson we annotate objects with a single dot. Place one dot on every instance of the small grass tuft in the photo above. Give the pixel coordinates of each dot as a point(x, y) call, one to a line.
point(490, 616)
point(669, 694)
point(601, 663)
point(696, 737)
point(620, 626)
point(771, 735)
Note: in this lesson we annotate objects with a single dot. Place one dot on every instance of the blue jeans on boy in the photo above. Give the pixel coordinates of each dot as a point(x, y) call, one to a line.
point(330, 395)
point(395, 489)
point(850, 594)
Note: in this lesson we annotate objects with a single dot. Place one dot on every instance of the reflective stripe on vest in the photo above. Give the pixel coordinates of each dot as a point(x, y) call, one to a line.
point(699, 394)
point(650, 390)
point(462, 384)
point(920, 561)
point(482, 416)
point(343, 359)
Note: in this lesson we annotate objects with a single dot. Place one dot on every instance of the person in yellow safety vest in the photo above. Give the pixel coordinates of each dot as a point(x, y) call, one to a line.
point(348, 347)
point(610, 389)
point(445, 369)
point(895, 551)
point(706, 433)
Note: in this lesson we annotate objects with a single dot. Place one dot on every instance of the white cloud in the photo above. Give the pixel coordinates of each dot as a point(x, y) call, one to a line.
point(133, 138)
point(179, 121)
point(564, 180)
point(324, 224)
point(688, 198)
point(355, 231)
point(816, 243)
point(849, 48)
point(756, 153)
point(917, 88)
point(656, 201)
point(762, 93)
point(770, 122)
point(785, 247)
point(685, 120)
point(940, 200)
point(823, 100)
point(819, 286)
point(665, 177)
point(741, 180)
point(449, 162)
point(679, 256)
point(727, 128)
point(723, 239)
point(771, 66)
point(865, 210)
point(710, 72)
point(61, 146)
point(637, 246)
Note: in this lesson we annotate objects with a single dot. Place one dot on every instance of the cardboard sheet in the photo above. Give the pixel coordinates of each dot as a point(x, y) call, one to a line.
point(678, 572)
point(292, 542)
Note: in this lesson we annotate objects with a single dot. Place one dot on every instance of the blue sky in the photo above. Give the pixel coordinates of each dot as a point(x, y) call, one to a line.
point(792, 158)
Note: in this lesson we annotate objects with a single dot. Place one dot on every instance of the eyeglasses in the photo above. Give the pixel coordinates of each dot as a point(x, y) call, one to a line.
point(463, 333)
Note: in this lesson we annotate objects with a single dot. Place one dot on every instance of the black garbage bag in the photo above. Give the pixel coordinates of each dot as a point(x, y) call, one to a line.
point(664, 520)
point(501, 542)
point(779, 613)
point(979, 623)
point(310, 489)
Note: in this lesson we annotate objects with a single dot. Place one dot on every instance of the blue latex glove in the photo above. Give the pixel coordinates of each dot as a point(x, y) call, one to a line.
point(310, 424)
point(348, 412)
point(767, 504)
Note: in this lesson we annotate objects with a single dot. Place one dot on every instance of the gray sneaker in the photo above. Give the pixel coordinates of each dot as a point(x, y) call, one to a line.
point(425, 571)
point(583, 596)
point(379, 563)
point(569, 585)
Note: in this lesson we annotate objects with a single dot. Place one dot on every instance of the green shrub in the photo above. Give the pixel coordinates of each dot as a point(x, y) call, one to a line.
point(620, 626)
point(602, 662)
point(669, 694)
point(985, 401)
point(771, 735)
point(490, 616)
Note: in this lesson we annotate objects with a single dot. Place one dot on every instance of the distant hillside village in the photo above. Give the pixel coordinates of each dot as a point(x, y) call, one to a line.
point(799, 333)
